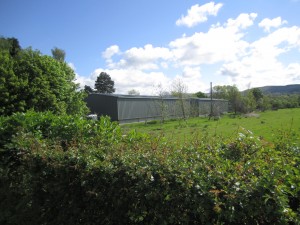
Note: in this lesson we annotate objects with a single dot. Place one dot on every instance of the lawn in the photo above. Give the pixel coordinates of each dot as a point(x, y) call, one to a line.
point(265, 125)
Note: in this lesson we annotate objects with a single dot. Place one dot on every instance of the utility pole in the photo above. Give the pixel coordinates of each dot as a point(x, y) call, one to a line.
point(211, 101)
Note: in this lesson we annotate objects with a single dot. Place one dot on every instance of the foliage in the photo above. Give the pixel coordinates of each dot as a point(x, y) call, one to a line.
point(161, 103)
point(257, 93)
point(58, 54)
point(31, 80)
point(263, 124)
point(88, 89)
point(11, 45)
point(248, 103)
point(284, 101)
point(230, 93)
point(200, 94)
point(179, 90)
point(64, 128)
point(104, 84)
point(133, 92)
point(254, 99)
point(106, 178)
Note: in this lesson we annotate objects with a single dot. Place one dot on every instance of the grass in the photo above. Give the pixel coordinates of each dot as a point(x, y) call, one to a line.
point(263, 124)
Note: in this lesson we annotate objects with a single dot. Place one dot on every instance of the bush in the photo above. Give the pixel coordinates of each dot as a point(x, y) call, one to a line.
point(103, 177)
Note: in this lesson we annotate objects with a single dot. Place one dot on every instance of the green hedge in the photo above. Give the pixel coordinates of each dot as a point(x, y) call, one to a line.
point(98, 176)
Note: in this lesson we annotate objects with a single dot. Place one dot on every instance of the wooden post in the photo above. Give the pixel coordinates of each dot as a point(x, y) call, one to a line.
point(211, 101)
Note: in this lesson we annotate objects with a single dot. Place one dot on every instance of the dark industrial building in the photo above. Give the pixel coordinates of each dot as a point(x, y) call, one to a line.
point(128, 108)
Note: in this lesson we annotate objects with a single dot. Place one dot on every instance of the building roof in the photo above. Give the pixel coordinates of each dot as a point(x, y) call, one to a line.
point(121, 96)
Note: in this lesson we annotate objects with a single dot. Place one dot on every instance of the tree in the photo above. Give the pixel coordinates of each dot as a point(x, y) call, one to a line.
point(11, 45)
point(179, 90)
point(133, 92)
point(10, 86)
point(249, 103)
point(258, 96)
point(257, 93)
point(162, 105)
point(104, 84)
point(264, 103)
point(38, 82)
point(230, 93)
point(58, 54)
point(88, 89)
point(200, 94)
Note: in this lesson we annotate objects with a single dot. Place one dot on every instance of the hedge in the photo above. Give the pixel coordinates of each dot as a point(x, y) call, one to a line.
point(63, 170)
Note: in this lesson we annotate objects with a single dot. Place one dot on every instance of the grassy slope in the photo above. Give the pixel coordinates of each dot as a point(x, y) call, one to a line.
point(265, 125)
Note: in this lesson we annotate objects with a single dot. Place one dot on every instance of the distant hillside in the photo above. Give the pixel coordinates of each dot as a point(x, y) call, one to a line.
point(288, 89)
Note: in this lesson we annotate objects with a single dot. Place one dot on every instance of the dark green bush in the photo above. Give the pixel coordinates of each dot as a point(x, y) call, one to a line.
point(103, 177)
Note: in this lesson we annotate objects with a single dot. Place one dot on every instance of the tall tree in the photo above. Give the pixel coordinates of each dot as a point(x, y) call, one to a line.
point(259, 97)
point(38, 82)
point(257, 93)
point(200, 94)
point(230, 93)
point(133, 92)
point(104, 84)
point(58, 54)
point(11, 45)
point(249, 103)
point(162, 104)
point(179, 90)
point(88, 89)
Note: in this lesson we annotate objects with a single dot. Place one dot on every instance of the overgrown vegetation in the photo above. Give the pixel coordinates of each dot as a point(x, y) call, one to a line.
point(68, 170)
point(263, 124)
point(254, 99)
point(30, 80)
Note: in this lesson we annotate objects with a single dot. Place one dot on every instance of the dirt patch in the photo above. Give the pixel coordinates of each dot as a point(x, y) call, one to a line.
point(256, 115)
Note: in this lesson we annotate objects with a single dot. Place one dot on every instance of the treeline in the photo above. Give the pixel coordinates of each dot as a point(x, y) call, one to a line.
point(254, 99)
point(31, 80)
point(283, 101)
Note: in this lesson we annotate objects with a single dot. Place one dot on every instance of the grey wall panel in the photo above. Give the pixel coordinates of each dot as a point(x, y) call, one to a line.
point(137, 109)
point(142, 108)
point(103, 105)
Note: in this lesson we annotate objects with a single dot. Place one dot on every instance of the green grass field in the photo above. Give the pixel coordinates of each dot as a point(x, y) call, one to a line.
point(265, 125)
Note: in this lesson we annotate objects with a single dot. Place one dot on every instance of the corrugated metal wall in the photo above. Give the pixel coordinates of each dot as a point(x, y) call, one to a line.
point(218, 105)
point(103, 105)
point(142, 108)
point(136, 109)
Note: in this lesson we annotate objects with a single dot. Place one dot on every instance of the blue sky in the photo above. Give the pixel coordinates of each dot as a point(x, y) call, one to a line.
point(142, 44)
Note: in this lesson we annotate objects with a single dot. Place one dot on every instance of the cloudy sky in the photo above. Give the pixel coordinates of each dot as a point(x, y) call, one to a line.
point(145, 43)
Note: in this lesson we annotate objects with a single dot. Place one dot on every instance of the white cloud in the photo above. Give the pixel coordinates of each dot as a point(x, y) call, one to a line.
point(293, 71)
point(145, 82)
point(191, 76)
point(82, 81)
point(267, 23)
point(224, 45)
point(261, 66)
point(189, 72)
point(109, 52)
point(145, 58)
point(275, 73)
point(220, 43)
point(70, 64)
point(243, 21)
point(280, 41)
point(128, 79)
point(198, 14)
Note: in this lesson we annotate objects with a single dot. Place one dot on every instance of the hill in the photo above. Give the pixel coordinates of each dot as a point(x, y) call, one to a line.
point(288, 89)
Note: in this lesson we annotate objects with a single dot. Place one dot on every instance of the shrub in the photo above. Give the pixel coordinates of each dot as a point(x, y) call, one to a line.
point(105, 178)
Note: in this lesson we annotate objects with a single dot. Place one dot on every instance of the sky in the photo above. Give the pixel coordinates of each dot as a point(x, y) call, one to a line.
point(147, 45)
